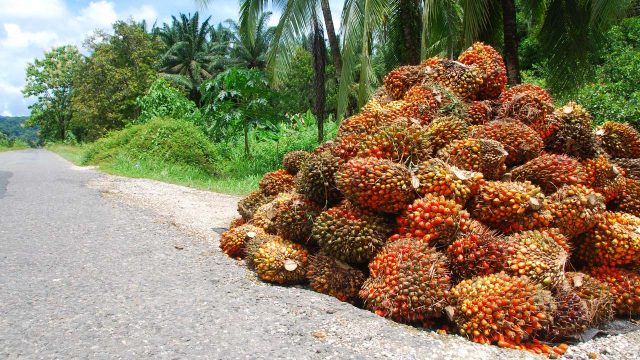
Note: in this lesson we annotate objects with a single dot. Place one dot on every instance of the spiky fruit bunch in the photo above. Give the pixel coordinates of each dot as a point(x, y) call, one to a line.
point(277, 260)
point(500, 308)
point(439, 178)
point(335, 278)
point(575, 209)
point(540, 255)
point(350, 234)
point(572, 139)
point(624, 286)
point(399, 80)
point(346, 146)
point(444, 130)
point(595, 294)
point(409, 282)
point(479, 251)
point(248, 205)
point(233, 241)
point(403, 141)
point(276, 182)
point(292, 161)
point(604, 177)
point(265, 216)
point(550, 172)
point(527, 103)
point(619, 140)
point(422, 110)
point(479, 112)
point(362, 124)
point(294, 217)
point(573, 113)
point(514, 91)
point(570, 317)
point(492, 67)
point(432, 219)
point(479, 155)
point(613, 241)
point(381, 96)
point(519, 140)
point(628, 200)
point(631, 167)
point(238, 221)
point(463, 80)
point(316, 179)
point(376, 184)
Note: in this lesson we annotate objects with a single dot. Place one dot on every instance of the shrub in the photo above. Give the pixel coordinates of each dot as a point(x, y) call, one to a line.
point(162, 100)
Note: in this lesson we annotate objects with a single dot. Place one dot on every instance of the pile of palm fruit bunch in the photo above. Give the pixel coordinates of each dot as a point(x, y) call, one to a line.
point(451, 202)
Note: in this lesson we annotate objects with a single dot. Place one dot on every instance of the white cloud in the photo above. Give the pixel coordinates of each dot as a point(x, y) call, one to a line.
point(144, 12)
point(40, 9)
point(100, 14)
point(17, 38)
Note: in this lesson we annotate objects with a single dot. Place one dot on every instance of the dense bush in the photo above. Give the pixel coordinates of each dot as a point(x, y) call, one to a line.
point(163, 100)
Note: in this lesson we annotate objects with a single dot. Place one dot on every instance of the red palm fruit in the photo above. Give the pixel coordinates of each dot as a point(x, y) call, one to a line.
point(381, 96)
point(376, 184)
point(461, 79)
point(478, 251)
point(550, 172)
point(492, 67)
point(596, 296)
point(409, 282)
point(603, 176)
point(233, 241)
point(351, 234)
point(436, 177)
point(613, 241)
point(519, 140)
point(265, 216)
point(432, 219)
point(293, 218)
point(628, 200)
point(575, 209)
point(570, 316)
point(276, 182)
point(422, 111)
point(573, 113)
point(316, 179)
point(335, 278)
point(479, 155)
point(277, 260)
point(235, 222)
point(624, 286)
point(400, 80)
point(572, 139)
point(362, 124)
point(630, 167)
point(249, 204)
point(499, 308)
point(404, 141)
point(619, 140)
point(479, 112)
point(293, 161)
point(444, 130)
point(527, 103)
point(514, 91)
point(346, 146)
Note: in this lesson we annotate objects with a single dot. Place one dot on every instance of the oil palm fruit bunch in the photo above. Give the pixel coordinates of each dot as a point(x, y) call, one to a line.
point(421, 102)
point(294, 217)
point(409, 282)
point(478, 251)
point(624, 286)
point(628, 200)
point(316, 179)
point(619, 140)
point(293, 161)
point(570, 317)
point(432, 219)
point(479, 112)
point(572, 113)
point(575, 209)
point(499, 308)
point(444, 130)
point(403, 141)
point(400, 80)
point(550, 172)
point(235, 222)
point(233, 241)
point(265, 216)
point(479, 155)
point(595, 294)
point(572, 139)
point(463, 80)
point(613, 241)
point(376, 184)
point(277, 260)
point(492, 67)
point(539, 255)
point(520, 141)
point(631, 167)
point(346, 147)
point(276, 182)
point(364, 123)
point(248, 205)
point(351, 234)
point(335, 278)
point(436, 177)
point(603, 176)
point(381, 96)
point(527, 103)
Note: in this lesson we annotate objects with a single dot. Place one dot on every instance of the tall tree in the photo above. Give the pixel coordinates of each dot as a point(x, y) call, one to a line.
point(251, 45)
point(319, 64)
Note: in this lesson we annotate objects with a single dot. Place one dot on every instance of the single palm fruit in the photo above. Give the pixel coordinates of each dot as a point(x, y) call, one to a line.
point(613, 241)
point(277, 260)
point(492, 67)
point(400, 80)
point(628, 200)
point(478, 251)
point(351, 234)
point(404, 141)
point(316, 179)
point(631, 167)
point(550, 172)
point(276, 182)
point(519, 140)
point(575, 209)
point(572, 139)
point(624, 286)
point(619, 140)
point(436, 177)
point(233, 241)
point(248, 205)
point(432, 219)
point(463, 80)
point(265, 216)
point(444, 130)
point(409, 282)
point(595, 294)
point(500, 308)
point(376, 184)
point(238, 221)
point(570, 317)
point(479, 112)
point(527, 103)
point(540, 255)
point(292, 161)
point(294, 217)
point(479, 155)
point(335, 278)
point(604, 177)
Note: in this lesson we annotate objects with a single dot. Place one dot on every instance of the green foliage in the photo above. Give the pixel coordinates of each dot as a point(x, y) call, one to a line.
point(9, 143)
point(162, 100)
point(161, 139)
point(15, 127)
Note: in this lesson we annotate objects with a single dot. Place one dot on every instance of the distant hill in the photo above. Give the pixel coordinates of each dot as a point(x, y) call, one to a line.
point(12, 126)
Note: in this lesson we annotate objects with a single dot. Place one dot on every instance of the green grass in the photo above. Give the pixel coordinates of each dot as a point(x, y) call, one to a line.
point(72, 153)
point(18, 145)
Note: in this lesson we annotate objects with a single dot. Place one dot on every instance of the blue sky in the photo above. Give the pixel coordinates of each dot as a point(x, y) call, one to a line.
point(28, 28)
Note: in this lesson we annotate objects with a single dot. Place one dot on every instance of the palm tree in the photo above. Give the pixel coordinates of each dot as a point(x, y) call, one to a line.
point(250, 47)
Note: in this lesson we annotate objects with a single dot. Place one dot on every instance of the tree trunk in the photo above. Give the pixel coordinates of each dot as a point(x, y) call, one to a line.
point(319, 63)
point(510, 41)
point(331, 34)
point(247, 150)
point(409, 36)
